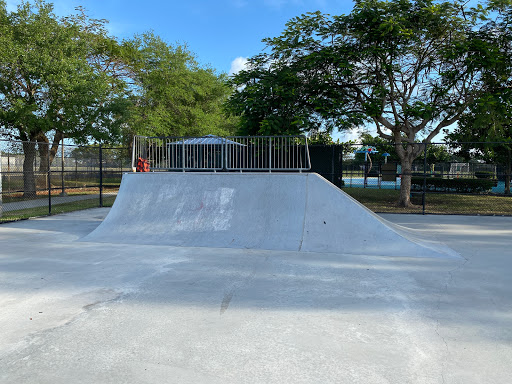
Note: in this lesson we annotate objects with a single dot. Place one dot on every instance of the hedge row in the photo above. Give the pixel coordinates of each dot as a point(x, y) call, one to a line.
point(437, 184)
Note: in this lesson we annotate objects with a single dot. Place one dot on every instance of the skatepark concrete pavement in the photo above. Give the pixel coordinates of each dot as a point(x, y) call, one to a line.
point(92, 312)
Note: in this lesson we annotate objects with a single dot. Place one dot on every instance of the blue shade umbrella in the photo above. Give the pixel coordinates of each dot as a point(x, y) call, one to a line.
point(367, 149)
point(386, 155)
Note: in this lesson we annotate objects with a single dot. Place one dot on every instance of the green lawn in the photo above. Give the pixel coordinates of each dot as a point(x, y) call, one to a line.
point(60, 208)
point(384, 200)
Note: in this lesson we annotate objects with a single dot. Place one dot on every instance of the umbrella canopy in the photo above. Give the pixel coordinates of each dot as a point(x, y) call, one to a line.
point(207, 140)
point(367, 149)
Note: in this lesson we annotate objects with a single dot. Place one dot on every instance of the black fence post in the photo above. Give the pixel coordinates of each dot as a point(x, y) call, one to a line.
point(333, 169)
point(341, 166)
point(101, 175)
point(424, 178)
point(49, 178)
point(508, 172)
point(63, 188)
point(8, 172)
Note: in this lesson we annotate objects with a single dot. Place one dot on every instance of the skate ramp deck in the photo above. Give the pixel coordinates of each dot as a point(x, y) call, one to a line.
point(274, 211)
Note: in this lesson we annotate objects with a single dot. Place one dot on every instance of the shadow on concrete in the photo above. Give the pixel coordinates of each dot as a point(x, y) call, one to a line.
point(473, 292)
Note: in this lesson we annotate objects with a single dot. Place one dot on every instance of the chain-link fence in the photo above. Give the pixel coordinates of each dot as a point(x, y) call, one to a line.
point(45, 178)
point(467, 178)
point(463, 178)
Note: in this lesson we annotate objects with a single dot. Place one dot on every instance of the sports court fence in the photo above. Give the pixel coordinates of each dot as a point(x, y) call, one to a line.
point(40, 178)
point(463, 178)
point(45, 178)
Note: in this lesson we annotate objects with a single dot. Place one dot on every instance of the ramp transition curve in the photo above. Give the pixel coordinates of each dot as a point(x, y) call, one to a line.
point(275, 211)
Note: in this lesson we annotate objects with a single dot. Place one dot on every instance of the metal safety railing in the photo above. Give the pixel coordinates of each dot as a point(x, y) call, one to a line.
point(232, 153)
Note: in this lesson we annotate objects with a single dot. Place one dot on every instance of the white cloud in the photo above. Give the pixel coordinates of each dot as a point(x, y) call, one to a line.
point(237, 65)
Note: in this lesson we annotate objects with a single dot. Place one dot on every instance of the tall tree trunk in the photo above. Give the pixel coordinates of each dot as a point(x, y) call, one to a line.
point(29, 178)
point(46, 156)
point(405, 184)
point(45, 150)
point(407, 156)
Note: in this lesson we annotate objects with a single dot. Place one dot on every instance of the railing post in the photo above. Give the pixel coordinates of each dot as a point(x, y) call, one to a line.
point(300, 156)
point(270, 154)
point(183, 154)
point(134, 162)
point(101, 174)
point(224, 155)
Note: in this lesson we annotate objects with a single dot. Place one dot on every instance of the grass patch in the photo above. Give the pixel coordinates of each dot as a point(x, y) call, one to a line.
point(469, 204)
point(384, 201)
point(56, 209)
point(42, 194)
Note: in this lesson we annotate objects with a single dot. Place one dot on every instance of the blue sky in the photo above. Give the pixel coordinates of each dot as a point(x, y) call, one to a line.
point(221, 33)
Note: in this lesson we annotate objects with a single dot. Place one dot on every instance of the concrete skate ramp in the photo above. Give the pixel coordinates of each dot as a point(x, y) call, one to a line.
point(275, 211)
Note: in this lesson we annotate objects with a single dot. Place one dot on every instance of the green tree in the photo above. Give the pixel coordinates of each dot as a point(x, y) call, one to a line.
point(322, 138)
point(49, 85)
point(271, 99)
point(408, 66)
point(485, 130)
point(174, 95)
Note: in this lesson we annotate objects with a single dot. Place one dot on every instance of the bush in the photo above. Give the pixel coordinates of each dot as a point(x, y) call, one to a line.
point(461, 185)
point(484, 175)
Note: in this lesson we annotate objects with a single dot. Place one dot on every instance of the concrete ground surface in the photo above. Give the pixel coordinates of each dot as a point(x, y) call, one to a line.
point(79, 312)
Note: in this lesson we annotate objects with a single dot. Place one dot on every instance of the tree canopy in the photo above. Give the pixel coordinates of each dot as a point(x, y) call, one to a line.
point(485, 129)
point(408, 67)
point(47, 82)
point(49, 85)
point(66, 77)
point(173, 94)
